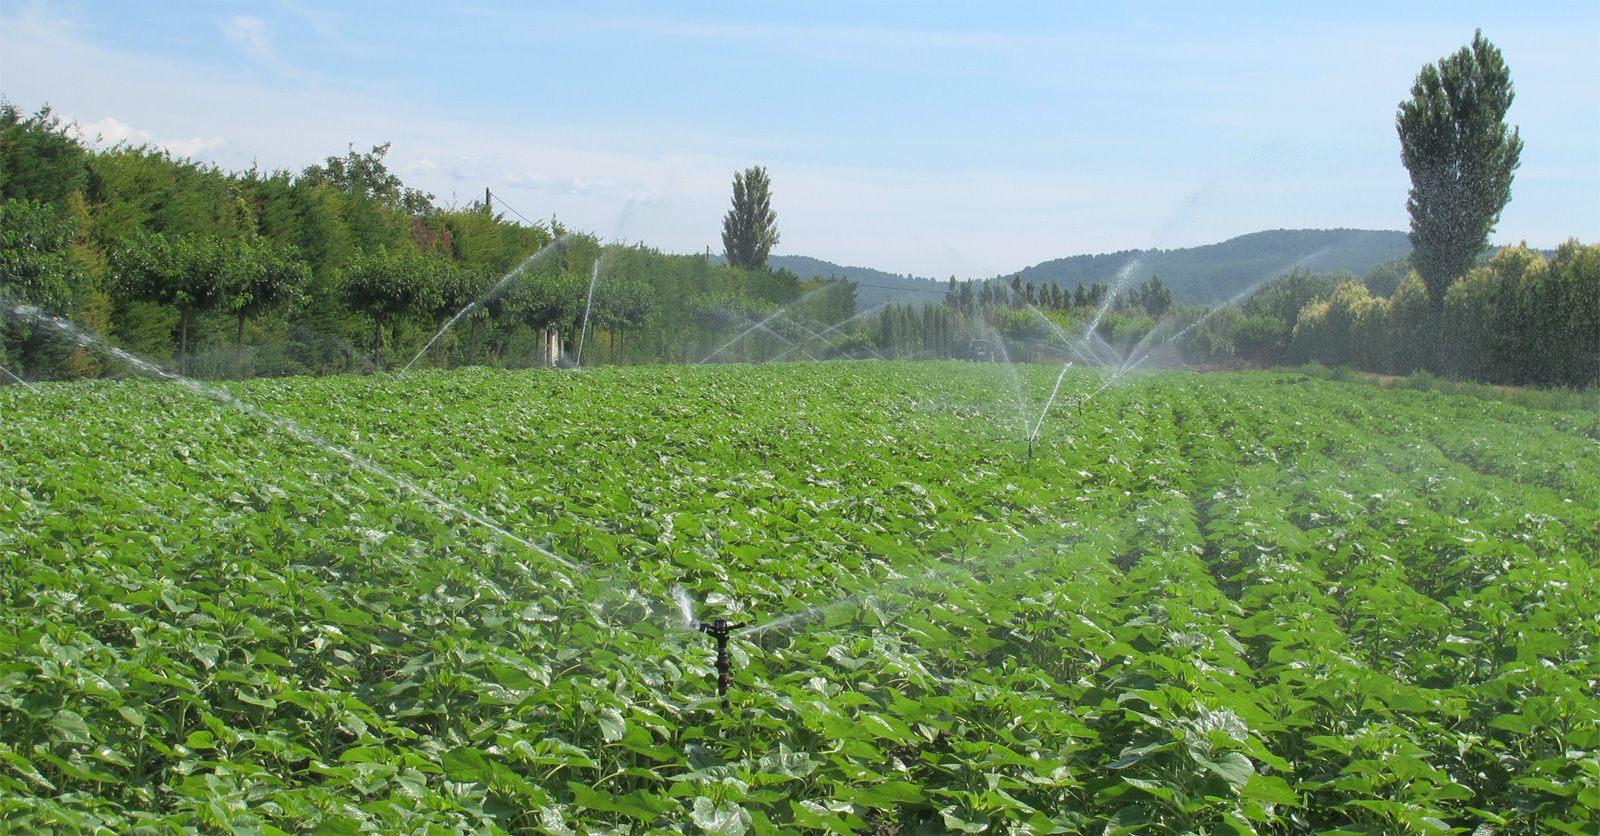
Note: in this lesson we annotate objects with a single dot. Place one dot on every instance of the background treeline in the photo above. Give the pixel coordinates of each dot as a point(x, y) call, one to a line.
point(336, 268)
point(1517, 319)
point(340, 267)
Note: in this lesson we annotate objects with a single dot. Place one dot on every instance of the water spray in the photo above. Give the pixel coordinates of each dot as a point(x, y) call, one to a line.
point(504, 282)
point(13, 376)
point(1056, 390)
point(835, 328)
point(292, 428)
point(762, 324)
point(594, 278)
point(720, 629)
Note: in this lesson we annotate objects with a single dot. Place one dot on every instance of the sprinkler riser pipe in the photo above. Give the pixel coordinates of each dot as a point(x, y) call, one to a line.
point(720, 630)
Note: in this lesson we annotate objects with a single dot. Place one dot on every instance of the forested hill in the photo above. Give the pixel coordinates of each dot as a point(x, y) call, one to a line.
point(1217, 272)
point(873, 287)
point(1201, 275)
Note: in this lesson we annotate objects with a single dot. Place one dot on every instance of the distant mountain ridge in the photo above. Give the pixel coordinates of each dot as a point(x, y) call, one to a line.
point(873, 287)
point(1218, 272)
point(1197, 275)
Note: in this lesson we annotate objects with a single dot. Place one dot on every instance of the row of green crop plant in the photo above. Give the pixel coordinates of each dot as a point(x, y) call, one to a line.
point(1377, 545)
point(1212, 601)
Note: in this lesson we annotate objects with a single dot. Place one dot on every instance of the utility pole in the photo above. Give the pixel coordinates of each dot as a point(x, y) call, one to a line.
point(486, 206)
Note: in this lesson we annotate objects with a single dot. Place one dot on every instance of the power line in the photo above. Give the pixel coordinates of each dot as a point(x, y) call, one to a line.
point(940, 291)
point(508, 207)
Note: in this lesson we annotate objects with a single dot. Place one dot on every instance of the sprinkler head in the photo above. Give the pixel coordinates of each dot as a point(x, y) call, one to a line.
point(720, 629)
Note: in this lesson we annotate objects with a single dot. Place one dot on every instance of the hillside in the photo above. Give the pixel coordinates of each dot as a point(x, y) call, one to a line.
point(873, 287)
point(1217, 272)
point(1202, 275)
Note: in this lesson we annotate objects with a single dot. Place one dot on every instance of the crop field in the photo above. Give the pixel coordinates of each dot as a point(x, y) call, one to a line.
point(1252, 602)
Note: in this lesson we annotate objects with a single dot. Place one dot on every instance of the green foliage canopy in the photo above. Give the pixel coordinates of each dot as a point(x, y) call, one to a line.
point(1461, 155)
point(750, 229)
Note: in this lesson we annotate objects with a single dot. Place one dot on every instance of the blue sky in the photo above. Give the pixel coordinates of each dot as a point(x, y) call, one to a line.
point(923, 138)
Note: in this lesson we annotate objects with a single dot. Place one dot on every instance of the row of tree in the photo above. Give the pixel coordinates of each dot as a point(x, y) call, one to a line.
point(342, 267)
point(1519, 319)
point(1152, 297)
point(338, 267)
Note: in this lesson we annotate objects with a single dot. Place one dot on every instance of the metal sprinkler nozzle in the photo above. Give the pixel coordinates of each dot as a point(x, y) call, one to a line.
point(721, 629)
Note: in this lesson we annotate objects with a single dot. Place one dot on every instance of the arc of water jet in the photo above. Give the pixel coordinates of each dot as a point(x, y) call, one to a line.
point(680, 597)
point(1016, 380)
point(1233, 300)
point(836, 326)
point(1072, 345)
point(792, 343)
point(1080, 402)
point(1111, 295)
point(742, 334)
point(932, 573)
point(802, 327)
point(798, 346)
point(583, 332)
point(1048, 403)
point(226, 398)
point(780, 312)
point(762, 326)
point(489, 294)
point(13, 376)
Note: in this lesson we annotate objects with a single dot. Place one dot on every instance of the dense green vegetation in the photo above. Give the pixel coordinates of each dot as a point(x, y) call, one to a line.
point(1462, 157)
point(750, 229)
point(339, 267)
point(1248, 602)
point(1518, 319)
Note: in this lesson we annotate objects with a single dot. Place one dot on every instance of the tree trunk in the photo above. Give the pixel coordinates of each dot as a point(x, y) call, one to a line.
point(183, 341)
point(238, 348)
point(377, 339)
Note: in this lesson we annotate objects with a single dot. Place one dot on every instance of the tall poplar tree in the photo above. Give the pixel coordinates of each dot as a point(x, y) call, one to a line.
point(1461, 154)
point(750, 229)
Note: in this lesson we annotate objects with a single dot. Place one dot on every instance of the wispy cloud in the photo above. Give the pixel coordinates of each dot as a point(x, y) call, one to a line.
point(111, 131)
point(251, 36)
point(815, 35)
point(603, 187)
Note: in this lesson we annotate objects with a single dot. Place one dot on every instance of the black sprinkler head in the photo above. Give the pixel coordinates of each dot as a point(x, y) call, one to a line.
point(720, 629)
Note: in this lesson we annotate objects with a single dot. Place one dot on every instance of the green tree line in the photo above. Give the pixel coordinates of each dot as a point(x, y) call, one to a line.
point(339, 267)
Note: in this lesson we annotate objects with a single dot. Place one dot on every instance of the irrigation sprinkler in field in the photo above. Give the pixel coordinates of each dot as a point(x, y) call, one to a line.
point(720, 629)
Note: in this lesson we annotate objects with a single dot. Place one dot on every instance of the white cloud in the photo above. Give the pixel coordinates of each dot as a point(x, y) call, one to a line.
point(250, 35)
point(604, 187)
point(111, 131)
point(194, 146)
